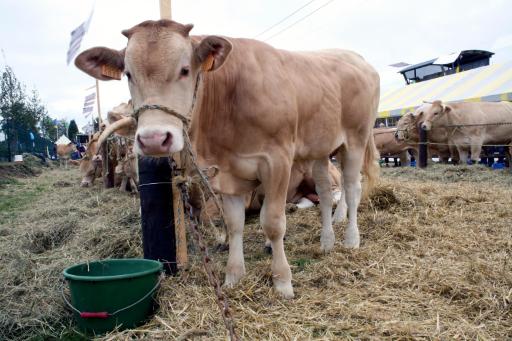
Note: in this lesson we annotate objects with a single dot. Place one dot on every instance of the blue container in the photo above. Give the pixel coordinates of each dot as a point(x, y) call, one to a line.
point(498, 165)
point(413, 163)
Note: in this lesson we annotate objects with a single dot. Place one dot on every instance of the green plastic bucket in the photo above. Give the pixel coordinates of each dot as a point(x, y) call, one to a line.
point(112, 292)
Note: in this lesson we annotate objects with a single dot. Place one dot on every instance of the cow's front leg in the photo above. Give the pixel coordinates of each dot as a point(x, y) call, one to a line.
point(234, 212)
point(463, 155)
point(275, 180)
point(476, 150)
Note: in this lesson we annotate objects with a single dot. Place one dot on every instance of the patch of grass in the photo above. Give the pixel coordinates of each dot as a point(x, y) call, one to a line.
point(302, 263)
point(15, 197)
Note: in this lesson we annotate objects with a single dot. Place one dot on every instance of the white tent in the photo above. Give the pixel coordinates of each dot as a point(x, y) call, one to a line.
point(63, 140)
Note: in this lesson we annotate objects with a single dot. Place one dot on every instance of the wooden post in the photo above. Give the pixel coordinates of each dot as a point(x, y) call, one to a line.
point(165, 9)
point(423, 152)
point(179, 221)
point(107, 166)
point(100, 120)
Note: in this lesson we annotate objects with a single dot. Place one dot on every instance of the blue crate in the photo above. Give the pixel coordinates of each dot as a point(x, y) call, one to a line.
point(498, 165)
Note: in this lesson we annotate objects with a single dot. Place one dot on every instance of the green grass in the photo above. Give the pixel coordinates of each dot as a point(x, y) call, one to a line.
point(16, 196)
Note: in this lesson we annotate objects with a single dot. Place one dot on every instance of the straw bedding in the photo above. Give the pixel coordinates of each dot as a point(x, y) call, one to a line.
point(435, 263)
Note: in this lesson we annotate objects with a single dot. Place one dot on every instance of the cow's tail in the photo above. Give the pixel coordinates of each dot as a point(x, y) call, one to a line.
point(371, 168)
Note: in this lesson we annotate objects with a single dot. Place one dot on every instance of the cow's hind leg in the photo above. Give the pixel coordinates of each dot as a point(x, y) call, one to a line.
point(275, 178)
point(234, 213)
point(340, 214)
point(323, 188)
point(352, 160)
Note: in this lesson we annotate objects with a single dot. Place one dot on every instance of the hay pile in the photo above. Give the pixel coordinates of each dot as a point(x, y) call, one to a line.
point(434, 263)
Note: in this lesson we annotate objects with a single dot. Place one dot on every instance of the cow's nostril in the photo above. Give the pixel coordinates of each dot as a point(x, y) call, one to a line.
point(168, 138)
point(139, 140)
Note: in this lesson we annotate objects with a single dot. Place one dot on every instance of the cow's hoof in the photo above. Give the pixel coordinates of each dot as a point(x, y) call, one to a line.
point(284, 289)
point(233, 277)
point(268, 249)
point(351, 239)
point(327, 241)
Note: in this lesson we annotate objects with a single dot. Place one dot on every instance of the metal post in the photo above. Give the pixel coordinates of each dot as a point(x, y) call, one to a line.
point(423, 152)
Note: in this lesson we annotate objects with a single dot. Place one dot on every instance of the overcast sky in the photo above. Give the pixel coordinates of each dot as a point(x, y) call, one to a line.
point(35, 34)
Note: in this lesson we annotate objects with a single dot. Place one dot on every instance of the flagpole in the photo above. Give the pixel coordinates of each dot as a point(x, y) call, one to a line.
point(100, 120)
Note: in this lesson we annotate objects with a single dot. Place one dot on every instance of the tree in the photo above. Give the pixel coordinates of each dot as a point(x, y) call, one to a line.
point(48, 128)
point(72, 130)
point(62, 127)
point(12, 107)
point(23, 118)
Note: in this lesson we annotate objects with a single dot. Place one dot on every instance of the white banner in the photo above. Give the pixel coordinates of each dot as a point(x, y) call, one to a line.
point(76, 38)
point(89, 104)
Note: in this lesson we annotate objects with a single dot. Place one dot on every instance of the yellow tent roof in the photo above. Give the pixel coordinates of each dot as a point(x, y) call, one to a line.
point(490, 83)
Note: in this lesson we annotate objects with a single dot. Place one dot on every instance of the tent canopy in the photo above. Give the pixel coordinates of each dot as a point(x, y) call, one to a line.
point(491, 83)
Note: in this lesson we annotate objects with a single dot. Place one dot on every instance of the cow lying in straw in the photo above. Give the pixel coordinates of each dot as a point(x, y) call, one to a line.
point(253, 110)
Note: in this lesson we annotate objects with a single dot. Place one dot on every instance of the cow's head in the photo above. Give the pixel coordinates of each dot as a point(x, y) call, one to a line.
point(161, 62)
point(433, 112)
point(91, 164)
point(405, 127)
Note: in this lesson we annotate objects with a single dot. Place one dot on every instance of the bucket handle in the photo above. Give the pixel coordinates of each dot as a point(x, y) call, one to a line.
point(104, 314)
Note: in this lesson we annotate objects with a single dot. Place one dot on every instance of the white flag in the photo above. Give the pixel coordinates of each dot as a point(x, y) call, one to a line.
point(76, 38)
point(89, 102)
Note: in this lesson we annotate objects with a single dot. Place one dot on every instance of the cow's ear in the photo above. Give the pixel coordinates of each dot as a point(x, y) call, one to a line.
point(212, 52)
point(101, 63)
point(447, 109)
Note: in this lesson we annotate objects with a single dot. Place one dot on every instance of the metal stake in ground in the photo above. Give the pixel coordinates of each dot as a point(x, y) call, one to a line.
point(423, 148)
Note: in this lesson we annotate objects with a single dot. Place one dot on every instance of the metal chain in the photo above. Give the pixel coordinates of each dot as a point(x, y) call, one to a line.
point(222, 301)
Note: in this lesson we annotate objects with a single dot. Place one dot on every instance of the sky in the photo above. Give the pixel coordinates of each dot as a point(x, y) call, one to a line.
point(35, 34)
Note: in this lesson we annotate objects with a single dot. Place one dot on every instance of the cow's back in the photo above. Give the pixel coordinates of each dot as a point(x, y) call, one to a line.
point(262, 95)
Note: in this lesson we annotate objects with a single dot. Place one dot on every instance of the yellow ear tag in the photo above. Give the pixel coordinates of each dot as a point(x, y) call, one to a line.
point(208, 63)
point(111, 71)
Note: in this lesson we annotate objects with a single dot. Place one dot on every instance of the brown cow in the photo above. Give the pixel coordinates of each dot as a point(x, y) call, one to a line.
point(388, 146)
point(469, 125)
point(254, 111)
point(91, 163)
point(64, 152)
point(407, 131)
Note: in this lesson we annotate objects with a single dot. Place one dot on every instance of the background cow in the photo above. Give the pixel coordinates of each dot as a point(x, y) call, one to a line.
point(64, 152)
point(91, 163)
point(388, 146)
point(469, 125)
point(255, 111)
point(407, 130)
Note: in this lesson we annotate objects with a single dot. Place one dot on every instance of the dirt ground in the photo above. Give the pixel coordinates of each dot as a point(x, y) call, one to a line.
point(435, 263)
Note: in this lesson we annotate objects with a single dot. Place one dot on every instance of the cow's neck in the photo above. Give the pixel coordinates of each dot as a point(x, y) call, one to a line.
point(210, 126)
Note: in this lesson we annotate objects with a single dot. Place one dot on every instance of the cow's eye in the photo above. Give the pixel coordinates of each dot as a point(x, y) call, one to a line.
point(128, 75)
point(184, 71)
